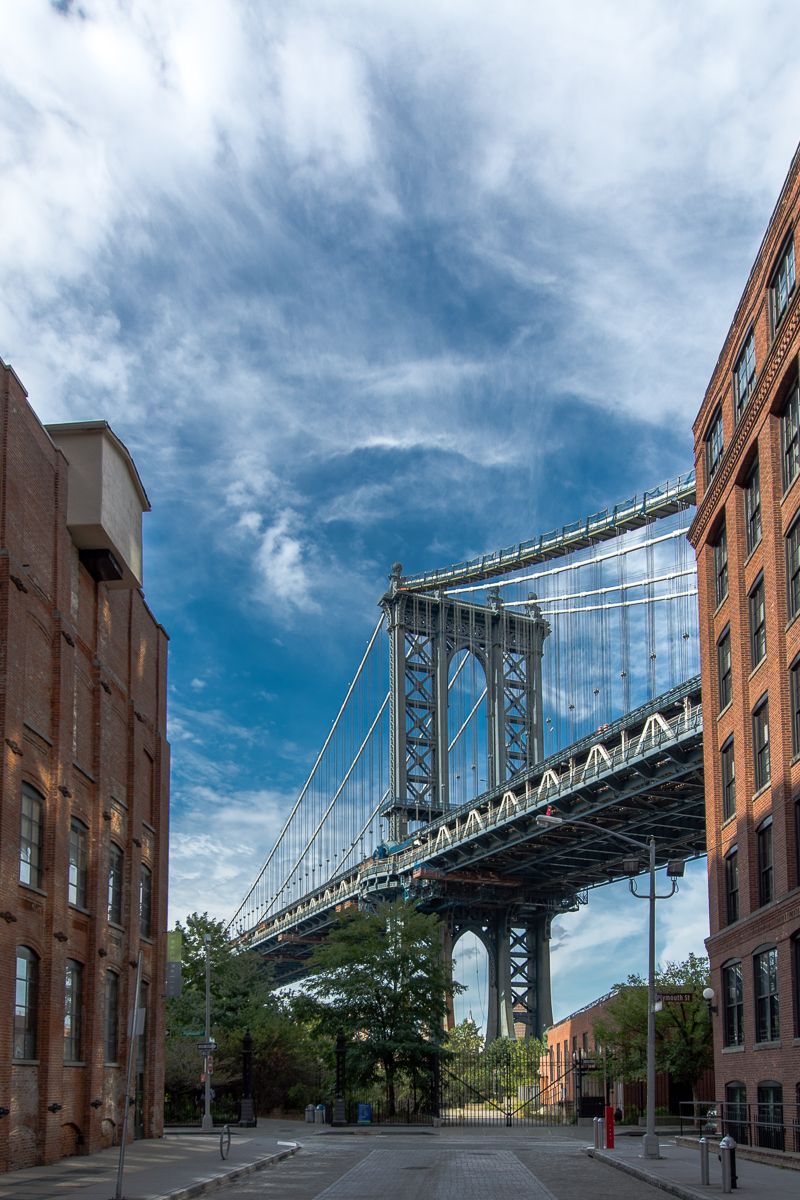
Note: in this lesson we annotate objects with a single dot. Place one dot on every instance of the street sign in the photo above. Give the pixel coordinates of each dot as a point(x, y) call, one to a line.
point(676, 997)
point(206, 1047)
point(192, 1032)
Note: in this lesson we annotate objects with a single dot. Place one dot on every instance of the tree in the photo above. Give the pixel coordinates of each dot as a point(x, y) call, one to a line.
point(684, 1043)
point(381, 977)
point(287, 1067)
point(465, 1038)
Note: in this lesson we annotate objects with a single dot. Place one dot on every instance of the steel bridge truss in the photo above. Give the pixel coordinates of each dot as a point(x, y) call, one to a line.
point(425, 633)
point(488, 867)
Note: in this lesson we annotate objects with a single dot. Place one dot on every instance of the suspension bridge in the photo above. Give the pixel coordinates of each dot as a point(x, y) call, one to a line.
point(560, 673)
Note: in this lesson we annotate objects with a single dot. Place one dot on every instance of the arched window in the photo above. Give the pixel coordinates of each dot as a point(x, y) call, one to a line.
point(77, 862)
point(31, 837)
point(735, 1114)
point(111, 1029)
point(765, 966)
point(733, 1004)
point(73, 1011)
point(115, 863)
point(26, 1003)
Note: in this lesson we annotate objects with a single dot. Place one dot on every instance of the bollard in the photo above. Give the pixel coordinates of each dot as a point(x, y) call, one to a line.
point(704, 1162)
point(596, 1126)
point(726, 1147)
point(609, 1127)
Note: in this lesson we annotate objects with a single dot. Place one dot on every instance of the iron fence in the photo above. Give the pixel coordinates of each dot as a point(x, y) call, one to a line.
point(186, 1108)
point(770, 1123)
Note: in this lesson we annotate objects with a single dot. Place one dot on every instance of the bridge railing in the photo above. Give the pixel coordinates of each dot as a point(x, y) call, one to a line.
point(660, 501)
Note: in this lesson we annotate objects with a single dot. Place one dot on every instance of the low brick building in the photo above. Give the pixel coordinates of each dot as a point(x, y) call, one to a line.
point(84, 790)
point(747, 537)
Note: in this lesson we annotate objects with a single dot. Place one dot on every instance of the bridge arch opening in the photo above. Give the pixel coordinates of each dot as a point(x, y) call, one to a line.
point(468, 728)
point(471, 968)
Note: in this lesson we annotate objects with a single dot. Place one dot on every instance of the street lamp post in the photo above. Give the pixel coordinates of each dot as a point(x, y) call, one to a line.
point(650, 1147)
point(208, 1121)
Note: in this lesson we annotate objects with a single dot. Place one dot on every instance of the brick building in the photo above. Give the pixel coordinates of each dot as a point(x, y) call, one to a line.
point(84, 790)
point(573, 1057)
point(747, 537)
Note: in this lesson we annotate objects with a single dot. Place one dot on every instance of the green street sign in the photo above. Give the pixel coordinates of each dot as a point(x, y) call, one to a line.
point(193, 1033)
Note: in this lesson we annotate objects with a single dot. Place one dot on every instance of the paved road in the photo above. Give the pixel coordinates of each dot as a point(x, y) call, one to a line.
point(457, 1164)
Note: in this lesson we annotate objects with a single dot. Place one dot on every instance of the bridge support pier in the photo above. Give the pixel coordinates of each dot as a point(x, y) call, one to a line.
point(518, 953)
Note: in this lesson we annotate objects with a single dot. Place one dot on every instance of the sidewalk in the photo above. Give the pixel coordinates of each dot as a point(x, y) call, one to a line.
point(678, 1172)
point(177, 1166)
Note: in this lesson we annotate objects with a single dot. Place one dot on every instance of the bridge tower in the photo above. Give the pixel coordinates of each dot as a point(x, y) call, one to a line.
point(425, 632)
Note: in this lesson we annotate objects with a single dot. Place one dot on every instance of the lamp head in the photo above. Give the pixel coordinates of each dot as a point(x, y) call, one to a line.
point(546, 820)
point(708, 994)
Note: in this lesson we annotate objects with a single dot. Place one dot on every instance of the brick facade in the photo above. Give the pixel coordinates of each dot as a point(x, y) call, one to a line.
point(768, 909)
point(83, 727)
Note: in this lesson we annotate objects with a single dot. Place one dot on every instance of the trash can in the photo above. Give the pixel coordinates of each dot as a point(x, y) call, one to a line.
point(320, 1114)
point(310, 1114)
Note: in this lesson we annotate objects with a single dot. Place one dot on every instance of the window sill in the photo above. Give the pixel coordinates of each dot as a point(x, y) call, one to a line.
point(761, 792)
point(731, 820)
point(68, 1062)
point(722, 711)
point(144, 938)
point(25, 1062)
point(147, 825)
point(87, 912)
point(750, 553)
point(796, 1041)
point(733, 1049)
point(115, 1065)
point(791, 621)
point(83, 771)
point(29, 887)
point(38, 732)
point(785, 495)
point(721, 605)
point(776, 1045)
point(756, 668)
point(114, 925)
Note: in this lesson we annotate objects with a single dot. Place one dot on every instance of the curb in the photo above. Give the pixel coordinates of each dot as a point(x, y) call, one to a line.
point(784, 1160)
point(666, 1185)
point(208, 1185)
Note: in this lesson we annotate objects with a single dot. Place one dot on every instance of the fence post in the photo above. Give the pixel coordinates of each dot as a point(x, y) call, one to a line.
point(435, 1093)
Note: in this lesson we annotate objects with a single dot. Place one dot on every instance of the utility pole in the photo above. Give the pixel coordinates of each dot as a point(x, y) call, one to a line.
point(650, 1147)
point(208, 1123)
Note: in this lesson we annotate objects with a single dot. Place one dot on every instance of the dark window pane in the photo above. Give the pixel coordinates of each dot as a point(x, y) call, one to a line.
point(721, 565)
point(794, 687)
point(26, 1003)
point(73, 1001)
point(724, 670)
point(728, 780)
point(761, 746)
point(31, 837)
point(734, 1005)
point(767, 1002)
point(752, 509)
point(783, 282)
point(714, 447)
point(793, 571)
point(732, 887)
point(145, 902)
point(765, 866)
point(112, 1017)
point(115, 884)
point(758, 624)
point(744, 375)
point(790, 437)
point(77, 863)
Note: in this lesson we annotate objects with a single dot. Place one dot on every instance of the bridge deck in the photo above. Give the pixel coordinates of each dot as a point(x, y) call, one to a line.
point(643, 776)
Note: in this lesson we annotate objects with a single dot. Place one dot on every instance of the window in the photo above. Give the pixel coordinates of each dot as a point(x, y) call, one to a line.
point(767, 1003)
point(732, 885)
point(752, 509)
point(724, 668)
point(733, 999)
point(761, 745)
point(765, 866)
point(728, 780)
point(586, 1043)
point(769, 1125)
point(714, 447)
point(115, 884)
point(30, 837)
point(796, 965)
point(111, 1029)
point(26, 1003)
point(794, 689)
point(793, 571)
point(782, 285)
point(744, 375)
point(735, 1122)
point(797, 848)
point(790, 436)
point(145, 901)
point(72, 1011)
point(77, 863)
point(721, 565)
point(758, 623)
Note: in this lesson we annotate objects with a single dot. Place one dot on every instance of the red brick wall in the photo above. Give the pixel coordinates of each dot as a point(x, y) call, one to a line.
point(757, 434)
point(82, 702)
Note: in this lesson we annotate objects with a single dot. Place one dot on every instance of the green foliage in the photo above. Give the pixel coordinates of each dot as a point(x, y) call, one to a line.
point(287, 1068)
point(465, 1038)
point(684, 1045)
point(381, 978)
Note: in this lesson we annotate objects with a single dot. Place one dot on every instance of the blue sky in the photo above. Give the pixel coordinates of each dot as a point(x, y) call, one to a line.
point(360, 282)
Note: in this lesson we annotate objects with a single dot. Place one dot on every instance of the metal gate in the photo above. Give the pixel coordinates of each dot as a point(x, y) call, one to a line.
point(503, 1085)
